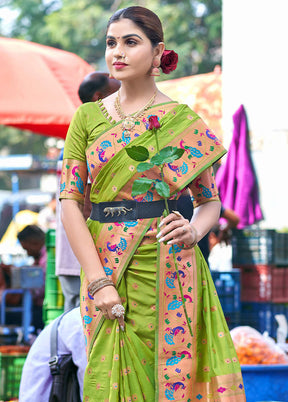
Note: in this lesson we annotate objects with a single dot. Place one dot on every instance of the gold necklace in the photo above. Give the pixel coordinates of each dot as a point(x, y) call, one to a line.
point(129, 120)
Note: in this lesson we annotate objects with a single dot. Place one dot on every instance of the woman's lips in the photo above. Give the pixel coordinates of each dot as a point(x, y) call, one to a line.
point(119, 66)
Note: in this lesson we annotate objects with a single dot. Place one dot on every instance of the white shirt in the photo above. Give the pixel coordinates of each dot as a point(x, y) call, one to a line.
point(36, 380)
point(220, 257)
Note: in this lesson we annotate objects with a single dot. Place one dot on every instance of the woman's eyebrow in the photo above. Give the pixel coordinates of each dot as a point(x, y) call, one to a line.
point(127, 36)
point(124, 37)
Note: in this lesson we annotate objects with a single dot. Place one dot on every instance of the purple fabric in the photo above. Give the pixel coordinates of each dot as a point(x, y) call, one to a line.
point(236, 179)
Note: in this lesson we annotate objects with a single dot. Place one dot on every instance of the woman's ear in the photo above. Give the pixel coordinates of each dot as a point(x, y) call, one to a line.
point(159, 49)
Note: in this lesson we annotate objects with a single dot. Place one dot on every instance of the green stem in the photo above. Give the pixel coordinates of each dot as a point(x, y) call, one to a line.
point(166, 206)
point(181, 291)
point(173, 249)
point(157, 142)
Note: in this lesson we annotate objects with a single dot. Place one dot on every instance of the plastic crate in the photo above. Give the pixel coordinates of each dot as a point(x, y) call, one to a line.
point(27, 277)
point(54, 298)
point(258, 316)
point(50, 240)
point(261, 316)
point(264, 283)
point(265, 382)
point(11, 364)
point(281, 248)
point(277, 308)
point(259, 246)
point(228, 286)
point(253, 246)
point(49, 314)
point(53, 292)
point(233, 319)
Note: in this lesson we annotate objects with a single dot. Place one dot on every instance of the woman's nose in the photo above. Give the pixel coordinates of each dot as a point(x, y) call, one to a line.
point(118, 50)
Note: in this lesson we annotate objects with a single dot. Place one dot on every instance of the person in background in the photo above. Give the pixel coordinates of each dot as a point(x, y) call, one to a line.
point(47, 215)
point(32, 239)
point(5, 279)
point(219, 239)
point(232, 221)
point(96, 85)
point(36, 379)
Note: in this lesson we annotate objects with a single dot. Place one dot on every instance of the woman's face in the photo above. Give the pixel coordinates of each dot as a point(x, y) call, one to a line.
point(129, 52)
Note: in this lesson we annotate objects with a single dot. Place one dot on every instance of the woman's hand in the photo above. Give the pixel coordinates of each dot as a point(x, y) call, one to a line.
point(176, 229)
point(105, 299)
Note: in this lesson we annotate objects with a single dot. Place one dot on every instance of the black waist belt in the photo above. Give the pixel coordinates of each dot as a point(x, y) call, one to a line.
point(122, 211)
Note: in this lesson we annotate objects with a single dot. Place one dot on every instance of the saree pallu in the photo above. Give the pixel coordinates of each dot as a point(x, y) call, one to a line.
point(155, 358)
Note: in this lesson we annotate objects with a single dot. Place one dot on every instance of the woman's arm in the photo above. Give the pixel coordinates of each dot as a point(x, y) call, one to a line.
point(81, 240)
point(176, 229)
point(85, 251)
point(205, 216)
point(206, 213)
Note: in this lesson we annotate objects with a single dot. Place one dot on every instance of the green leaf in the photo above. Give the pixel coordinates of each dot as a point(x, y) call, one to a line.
point(139, 154)
point(167, 155)
point(162, 189)
point(142, 167)
point(141, 186)
point(178, 152)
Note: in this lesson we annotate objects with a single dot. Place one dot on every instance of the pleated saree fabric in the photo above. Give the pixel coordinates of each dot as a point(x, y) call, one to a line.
point(155, 358)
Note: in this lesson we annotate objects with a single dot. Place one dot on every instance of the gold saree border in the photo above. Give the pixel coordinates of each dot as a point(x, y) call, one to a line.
point(106, 234)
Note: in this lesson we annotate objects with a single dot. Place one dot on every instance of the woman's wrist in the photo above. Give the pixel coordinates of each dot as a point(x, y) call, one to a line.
point(93, 274)
point(194, 235)
point(97, 284)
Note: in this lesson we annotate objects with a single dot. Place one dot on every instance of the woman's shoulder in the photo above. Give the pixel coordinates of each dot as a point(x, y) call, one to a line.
point(163, 98)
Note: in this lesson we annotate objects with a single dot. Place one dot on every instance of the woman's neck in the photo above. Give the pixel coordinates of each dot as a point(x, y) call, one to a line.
point(132, 92)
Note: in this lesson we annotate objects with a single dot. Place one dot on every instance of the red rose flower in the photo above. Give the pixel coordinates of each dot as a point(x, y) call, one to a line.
point(169, 61)
point(153, 122)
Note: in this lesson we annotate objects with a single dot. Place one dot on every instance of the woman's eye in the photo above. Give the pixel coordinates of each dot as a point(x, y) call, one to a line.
point(110, 43)
point(131, 42)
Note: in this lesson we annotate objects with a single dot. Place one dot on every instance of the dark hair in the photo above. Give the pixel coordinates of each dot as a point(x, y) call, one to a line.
point(145, 19)
point(215, 229)
point(94, 82)
point(31, 232)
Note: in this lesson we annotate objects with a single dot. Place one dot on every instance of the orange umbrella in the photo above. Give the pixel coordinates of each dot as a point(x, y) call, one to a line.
point(202, 92)
point(39, 86)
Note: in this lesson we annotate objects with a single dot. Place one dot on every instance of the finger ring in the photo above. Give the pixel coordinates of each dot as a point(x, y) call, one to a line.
point(177, 213)
point(118, 310)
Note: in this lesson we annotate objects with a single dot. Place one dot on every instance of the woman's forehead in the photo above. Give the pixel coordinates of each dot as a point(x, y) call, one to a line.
point(124, 27)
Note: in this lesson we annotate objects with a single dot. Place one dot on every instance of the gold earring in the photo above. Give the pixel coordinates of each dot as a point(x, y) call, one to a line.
point(155, 72)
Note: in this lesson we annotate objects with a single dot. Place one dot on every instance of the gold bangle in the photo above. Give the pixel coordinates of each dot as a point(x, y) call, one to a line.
point(99, 280)
point(101, 286)
point(98, 284)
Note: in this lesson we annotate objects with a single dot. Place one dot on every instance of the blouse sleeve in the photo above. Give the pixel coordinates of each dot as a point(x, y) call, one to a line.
point(203, 188)
point(74, 169)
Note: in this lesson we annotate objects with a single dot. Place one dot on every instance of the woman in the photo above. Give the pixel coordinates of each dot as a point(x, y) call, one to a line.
point(148, 352)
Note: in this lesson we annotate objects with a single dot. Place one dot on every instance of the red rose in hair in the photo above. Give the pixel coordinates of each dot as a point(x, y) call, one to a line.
point(153, 123)
point(169, 61)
